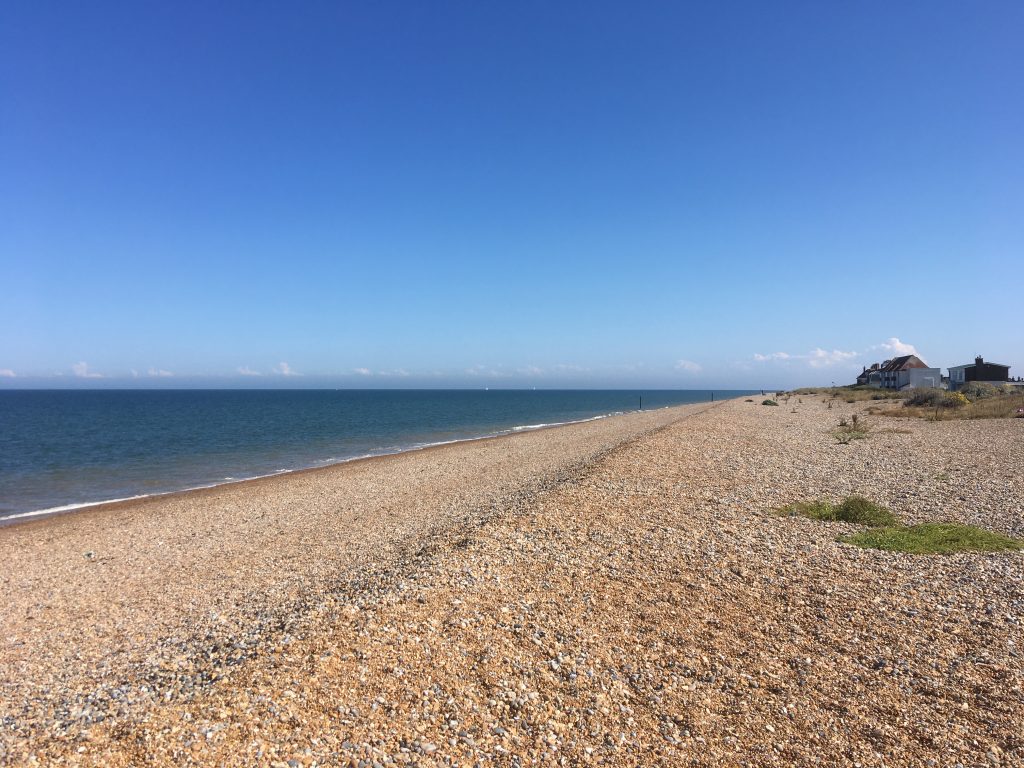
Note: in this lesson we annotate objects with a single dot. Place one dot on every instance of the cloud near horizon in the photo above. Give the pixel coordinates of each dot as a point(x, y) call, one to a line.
point(245, 370)
point(689, 366)
point(482, 370)
point(823, 358)
point(159, 373)
point(7, 373)
point(556, 371)
point(820, 358)
point(81, 370)
point(283, 369)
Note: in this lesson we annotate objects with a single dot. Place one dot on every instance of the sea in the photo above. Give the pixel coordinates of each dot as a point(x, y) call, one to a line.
point(65, 449)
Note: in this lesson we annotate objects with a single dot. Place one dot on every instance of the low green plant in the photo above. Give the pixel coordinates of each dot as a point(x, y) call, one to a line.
point(954, 400)
point(853, 394)
point(935, 398)
point(980, 390)
point(768, 402)
point(846, 432)
point(1007, 403)
point(892, 431)
point(925, 397)
point(816, 510)
point(883, 530)
point(852, 509)
point(934, 539)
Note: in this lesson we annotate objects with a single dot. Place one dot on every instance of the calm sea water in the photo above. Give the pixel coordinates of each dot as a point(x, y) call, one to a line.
point(67, 448)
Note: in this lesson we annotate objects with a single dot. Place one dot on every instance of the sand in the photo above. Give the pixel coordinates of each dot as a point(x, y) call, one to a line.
point(617, 592)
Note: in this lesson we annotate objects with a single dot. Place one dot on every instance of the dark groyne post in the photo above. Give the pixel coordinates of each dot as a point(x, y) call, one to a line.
point(641, 402)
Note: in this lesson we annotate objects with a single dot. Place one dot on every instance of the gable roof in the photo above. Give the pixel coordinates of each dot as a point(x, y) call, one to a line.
point(904, 362)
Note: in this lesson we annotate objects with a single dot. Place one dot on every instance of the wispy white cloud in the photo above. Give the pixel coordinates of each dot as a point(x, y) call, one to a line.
point(895, 347)
point(530, 370)
point(283, 369)
point(816, 358)
point(362, 372)
point(7, 373)
point(482, 370)
point(245, 370)
point(689, 366)
point(158, 372)
point(824, 358)
point(81, 370)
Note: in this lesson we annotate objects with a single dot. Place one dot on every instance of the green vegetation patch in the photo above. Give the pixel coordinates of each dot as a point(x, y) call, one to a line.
point(768, 402)
point(936, 398)
point(976, 400)
point(846, 433)
point(852, 394)
point(934, 539)
point(982, 390)
point(885, 532)
point(853, 509)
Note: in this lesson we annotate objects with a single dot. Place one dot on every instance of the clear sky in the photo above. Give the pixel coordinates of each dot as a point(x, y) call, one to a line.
point(687, 195)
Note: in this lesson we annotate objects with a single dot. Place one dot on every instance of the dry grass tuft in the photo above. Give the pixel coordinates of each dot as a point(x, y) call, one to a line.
point(1003, 406)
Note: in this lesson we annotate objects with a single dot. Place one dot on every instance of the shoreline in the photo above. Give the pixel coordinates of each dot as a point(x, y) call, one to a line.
point(19, 518)
point(22, 519)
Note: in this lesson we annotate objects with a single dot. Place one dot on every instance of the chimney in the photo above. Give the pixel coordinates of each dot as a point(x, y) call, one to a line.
point(978, 360)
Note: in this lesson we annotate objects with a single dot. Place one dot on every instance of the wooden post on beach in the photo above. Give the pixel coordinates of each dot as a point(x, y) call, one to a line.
point(641, 402)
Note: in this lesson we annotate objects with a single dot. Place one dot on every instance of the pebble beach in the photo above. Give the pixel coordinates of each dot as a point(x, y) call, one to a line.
point(619, 592)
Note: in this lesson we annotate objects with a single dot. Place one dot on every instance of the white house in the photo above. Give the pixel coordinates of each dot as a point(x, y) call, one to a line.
point(907, 372)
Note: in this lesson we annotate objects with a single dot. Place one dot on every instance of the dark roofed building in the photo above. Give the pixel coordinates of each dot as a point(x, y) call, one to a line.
point(865, 376)
point(979, 370)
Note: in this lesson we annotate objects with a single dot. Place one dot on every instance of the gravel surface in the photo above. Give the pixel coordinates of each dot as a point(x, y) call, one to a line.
point(611, 593)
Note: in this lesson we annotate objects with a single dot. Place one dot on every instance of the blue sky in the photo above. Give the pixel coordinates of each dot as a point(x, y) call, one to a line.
point(516, 194)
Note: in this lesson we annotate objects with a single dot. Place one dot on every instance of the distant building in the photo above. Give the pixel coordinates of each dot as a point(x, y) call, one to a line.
point(979, 370)
point(906, 372)
point(865, 375)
